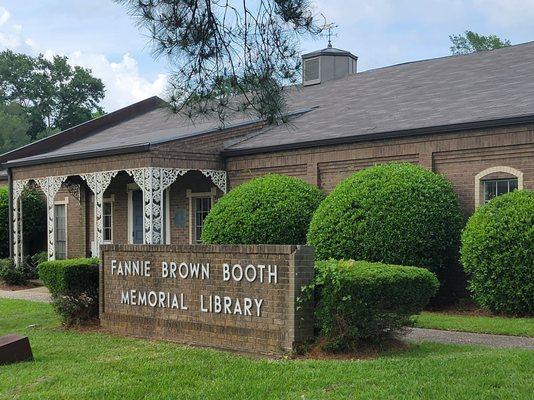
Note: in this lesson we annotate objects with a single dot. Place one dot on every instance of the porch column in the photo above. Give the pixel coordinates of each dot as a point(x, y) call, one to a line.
point(50, 186)
point(18, 242)
point(153, 181)
point(98, 182)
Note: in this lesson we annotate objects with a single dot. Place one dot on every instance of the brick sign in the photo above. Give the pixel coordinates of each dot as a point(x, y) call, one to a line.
point(233, 297)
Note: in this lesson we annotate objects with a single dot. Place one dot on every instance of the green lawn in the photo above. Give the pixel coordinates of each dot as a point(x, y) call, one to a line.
point(77, 365)
point(479, 324)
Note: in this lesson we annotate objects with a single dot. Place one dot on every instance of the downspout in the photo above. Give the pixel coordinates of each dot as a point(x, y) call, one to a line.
point(10, 211)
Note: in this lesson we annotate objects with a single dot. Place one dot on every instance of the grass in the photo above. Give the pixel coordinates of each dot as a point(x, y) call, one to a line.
point(474, 323)
point(72, 364)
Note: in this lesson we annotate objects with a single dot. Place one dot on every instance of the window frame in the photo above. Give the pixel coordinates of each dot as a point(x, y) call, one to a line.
point(192, 196)
point(65, 204)
point(111, 201)
point(479, 180)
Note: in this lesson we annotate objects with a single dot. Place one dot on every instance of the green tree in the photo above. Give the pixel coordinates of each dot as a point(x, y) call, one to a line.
point(471, 42)
point(228, 56)
point(13, 127)
point(53, 94)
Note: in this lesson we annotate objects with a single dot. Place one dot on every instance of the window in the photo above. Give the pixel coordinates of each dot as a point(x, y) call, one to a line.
point(107, 215)
point(60, 231)
point(202, 206)
point(495, 181)
point(496, 187)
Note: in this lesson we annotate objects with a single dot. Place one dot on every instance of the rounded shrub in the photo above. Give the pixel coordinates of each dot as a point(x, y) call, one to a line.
point(364, 301)
point(394, 213)
point(498, 254)
point(273, 209)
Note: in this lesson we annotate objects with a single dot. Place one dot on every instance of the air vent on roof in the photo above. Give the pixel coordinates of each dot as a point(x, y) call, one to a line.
point(312, 68)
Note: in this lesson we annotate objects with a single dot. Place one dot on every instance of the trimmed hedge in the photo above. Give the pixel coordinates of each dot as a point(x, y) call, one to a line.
point(393, 213)
point(498, 254)
point(365, 301)
point(273, 209)
point(73, 285)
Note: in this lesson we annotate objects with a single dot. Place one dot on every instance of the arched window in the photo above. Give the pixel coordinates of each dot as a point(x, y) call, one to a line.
point(494, 181)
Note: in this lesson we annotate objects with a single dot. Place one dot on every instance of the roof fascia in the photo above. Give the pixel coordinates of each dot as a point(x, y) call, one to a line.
point(494, 123)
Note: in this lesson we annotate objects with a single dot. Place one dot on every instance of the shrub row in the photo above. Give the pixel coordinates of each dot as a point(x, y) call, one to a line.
point(73, 285)
point(398, 214)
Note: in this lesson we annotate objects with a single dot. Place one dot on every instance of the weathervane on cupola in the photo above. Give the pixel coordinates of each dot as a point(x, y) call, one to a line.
point(330, 27)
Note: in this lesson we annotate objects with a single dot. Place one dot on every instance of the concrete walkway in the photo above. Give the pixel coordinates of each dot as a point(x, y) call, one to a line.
point(449, 337)
point(35, 294)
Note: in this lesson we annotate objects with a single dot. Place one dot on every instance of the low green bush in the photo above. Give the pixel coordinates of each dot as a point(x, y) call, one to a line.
point(273, 209)
point(11, 274)
point(361, 301)
point(73, 285)
point(498, 254)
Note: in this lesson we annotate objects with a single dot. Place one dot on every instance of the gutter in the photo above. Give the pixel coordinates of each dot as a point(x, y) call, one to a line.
point(493, 123)
point(80, 155)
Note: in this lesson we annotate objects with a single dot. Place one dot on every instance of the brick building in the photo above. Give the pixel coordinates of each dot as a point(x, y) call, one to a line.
point(144, 175)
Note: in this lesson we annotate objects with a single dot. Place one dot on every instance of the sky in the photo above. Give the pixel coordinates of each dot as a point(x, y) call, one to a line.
point(100, 35)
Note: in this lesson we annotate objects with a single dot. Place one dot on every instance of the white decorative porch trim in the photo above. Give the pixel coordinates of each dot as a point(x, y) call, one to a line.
point(50, 186)
point(217, 177)
point(98, 182)
point(18, 250)
point(153, 181)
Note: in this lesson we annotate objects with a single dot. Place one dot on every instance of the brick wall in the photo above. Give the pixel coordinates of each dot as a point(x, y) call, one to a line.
point(277, 328)
point(458, 156)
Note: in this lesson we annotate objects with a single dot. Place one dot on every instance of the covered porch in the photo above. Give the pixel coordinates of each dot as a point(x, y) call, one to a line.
point(142, 205)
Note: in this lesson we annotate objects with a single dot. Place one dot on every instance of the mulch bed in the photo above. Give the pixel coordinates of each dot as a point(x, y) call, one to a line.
point(29, 285)
point(466, 307)
point(363, 352)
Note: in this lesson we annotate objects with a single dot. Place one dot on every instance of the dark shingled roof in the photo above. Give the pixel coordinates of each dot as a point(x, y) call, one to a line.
point(418, 97)
point(131, 132)
point(414, 97)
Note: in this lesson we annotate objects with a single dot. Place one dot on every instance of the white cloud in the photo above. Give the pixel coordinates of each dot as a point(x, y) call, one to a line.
point(4, 16)
point(11, 35)
point(123, 80)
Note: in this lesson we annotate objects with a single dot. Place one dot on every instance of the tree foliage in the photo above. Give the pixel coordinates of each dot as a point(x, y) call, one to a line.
point(471, 42)
point(53, 94)
point(13, 127)
point(33, 217)
point(229, 55)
